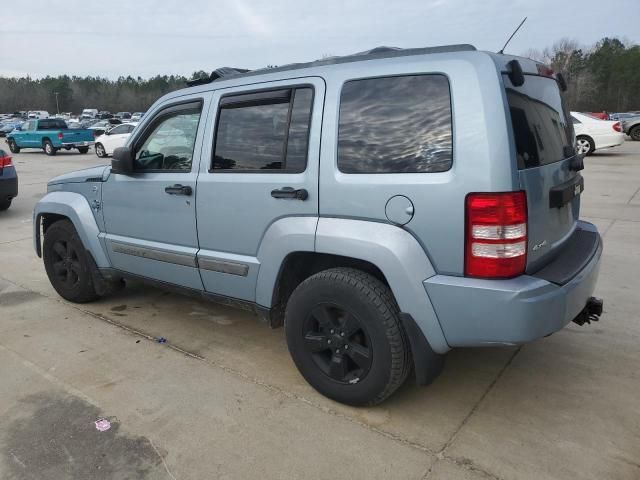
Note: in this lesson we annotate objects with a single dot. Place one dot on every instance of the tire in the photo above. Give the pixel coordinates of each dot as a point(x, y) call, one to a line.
point(100, 151)
point(48, 148)
point(13, 146)
point(83, 149)
point(585, 145)
point(351, 302)
point(67, 264)
point(5, 204)
point(634, 133)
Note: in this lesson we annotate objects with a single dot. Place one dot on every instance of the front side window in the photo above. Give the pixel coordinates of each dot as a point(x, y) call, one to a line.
point(395, 125)
point(170, 144)
point(264, 132)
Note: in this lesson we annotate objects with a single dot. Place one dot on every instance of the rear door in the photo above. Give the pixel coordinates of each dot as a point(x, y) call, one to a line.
point(544, 142)
point(260, 165)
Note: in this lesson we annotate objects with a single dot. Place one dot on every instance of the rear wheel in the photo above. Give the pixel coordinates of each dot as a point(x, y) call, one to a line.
point(585, 145)
point(100, 151)
point(5, 204)
point(83, 149)
point(345, 336)
point(634, 133)
point(67, 264)
point(13, 146)
point(48, 148)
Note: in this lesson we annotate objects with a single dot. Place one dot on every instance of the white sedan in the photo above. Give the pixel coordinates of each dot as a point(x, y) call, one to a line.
point(594, 134)
point(114, 138)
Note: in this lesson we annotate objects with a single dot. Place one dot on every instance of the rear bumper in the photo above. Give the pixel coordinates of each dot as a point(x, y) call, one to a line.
point(77, 144)
point(8, 183)
point(610, 140)
point(475, 312)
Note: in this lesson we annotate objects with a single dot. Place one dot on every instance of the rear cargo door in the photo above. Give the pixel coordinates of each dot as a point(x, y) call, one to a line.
point(544, 143)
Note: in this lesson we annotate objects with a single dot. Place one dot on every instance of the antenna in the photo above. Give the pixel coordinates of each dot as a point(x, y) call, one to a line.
point(512, 35)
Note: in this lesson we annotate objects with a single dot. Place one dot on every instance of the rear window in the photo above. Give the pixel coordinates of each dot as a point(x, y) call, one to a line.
point(542, 130)
point(395, 125)
point(52, 125)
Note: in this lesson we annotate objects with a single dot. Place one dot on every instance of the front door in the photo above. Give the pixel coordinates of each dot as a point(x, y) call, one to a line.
point(260, 166)
point(149, 215)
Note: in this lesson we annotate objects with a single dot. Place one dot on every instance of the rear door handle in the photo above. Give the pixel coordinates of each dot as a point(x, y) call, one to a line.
point(178, 189)
point(290, 192)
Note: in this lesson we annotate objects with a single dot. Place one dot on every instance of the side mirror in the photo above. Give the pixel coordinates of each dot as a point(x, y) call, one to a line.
point(122, 161)
point(17, 127)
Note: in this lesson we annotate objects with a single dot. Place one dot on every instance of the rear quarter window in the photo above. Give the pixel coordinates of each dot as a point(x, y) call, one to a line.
point(399, 124)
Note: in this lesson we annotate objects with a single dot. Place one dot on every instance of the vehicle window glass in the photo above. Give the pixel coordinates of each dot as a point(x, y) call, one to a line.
point(264, 135)
point(120, 129)
point(171, 142)
point(539, 119)
point(575, 120)
point(395, 125)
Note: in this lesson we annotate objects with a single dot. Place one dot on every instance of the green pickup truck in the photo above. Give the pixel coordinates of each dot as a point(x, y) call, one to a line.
point(50, 134)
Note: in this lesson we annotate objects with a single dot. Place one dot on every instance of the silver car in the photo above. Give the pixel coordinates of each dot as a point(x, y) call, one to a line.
point(384, 207)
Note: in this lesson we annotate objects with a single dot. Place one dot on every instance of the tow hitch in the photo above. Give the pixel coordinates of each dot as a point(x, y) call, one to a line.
point(591, 312)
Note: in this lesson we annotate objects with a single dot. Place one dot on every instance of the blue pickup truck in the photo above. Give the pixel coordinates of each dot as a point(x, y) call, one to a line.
point(50, 134)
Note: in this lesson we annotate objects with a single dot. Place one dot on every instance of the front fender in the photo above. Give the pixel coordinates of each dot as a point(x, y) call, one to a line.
point(398, 255)
point(77, 209)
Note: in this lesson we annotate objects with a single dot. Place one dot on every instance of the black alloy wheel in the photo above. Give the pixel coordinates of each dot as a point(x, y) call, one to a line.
point(338, 343)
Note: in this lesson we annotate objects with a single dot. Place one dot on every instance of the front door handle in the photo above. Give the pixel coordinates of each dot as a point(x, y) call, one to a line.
point(289, 192)
point(178, 189)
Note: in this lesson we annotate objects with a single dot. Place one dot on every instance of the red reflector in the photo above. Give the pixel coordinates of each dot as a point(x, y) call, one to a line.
point(617, 127)
point(60, 135)
point(5, 161)
point(496, 234)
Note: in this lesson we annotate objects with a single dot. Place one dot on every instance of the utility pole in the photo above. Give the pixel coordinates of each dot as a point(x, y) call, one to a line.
point(57, 106)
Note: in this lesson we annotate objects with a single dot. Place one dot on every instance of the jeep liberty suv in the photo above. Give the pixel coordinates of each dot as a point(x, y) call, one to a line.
point(384, 207)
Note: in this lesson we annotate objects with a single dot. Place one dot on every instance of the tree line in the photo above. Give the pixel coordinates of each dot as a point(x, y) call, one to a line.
point(605, 76)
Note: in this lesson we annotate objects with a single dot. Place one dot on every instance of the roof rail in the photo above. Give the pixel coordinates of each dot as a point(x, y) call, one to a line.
point(223, 72)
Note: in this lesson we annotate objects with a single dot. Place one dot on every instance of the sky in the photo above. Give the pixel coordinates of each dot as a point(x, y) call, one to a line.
point(149, 37)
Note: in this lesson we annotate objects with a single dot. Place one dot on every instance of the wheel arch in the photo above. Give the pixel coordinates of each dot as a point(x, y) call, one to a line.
point(74, 207)
point(302, 246)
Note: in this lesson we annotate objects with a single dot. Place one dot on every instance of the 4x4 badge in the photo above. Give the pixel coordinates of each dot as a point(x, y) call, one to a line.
point(539, 246)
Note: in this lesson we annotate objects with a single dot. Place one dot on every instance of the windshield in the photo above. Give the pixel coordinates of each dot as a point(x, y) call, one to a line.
point(542, 130)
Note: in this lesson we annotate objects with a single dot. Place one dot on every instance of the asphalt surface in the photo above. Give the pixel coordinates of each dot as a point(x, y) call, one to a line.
point(222, 399)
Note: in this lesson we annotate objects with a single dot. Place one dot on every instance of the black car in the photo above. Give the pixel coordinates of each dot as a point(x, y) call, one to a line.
point(8, 180)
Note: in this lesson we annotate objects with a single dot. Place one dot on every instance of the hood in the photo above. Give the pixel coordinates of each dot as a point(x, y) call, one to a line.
point(93, 174)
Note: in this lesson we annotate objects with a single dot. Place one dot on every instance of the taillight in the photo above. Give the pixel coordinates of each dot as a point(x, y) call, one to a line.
point(617, 127)
point(495, 235)
point(60, 135)
point(5, 161)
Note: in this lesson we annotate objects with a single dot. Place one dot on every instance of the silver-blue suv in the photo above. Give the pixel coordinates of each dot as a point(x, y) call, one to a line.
point(384, 207)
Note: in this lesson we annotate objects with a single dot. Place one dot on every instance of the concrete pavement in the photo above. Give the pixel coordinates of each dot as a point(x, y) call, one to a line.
point(222, 399)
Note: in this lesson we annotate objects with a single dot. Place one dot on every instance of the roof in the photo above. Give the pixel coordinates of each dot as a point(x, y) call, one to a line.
point(226, 73)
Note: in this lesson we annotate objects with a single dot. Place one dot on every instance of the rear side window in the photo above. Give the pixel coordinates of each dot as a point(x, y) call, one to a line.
point(264, 131)
point(542, 127)
point(52, 125)
point(395, 125)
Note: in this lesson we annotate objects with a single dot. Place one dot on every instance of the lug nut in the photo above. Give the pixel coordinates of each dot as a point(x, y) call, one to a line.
point(346, 347)
point(332, 330)
point(342, 334)
point(328, 341)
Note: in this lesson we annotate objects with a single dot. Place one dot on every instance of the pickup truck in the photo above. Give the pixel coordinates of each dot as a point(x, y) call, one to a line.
point(50, 135)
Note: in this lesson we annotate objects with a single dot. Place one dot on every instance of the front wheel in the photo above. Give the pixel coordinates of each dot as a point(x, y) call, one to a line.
point(67, 264)
point(345, 336)
point(100, 151)
point(83, 149)
point(585, 146)
point(13, 146)
point(48, 147)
